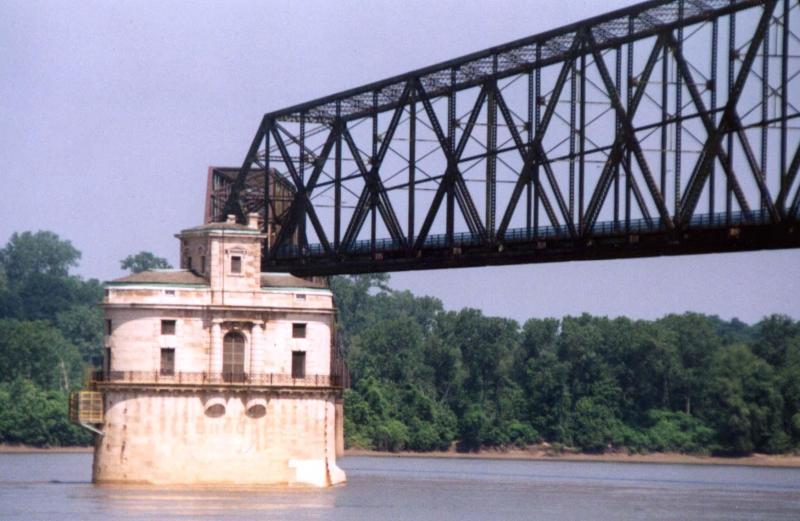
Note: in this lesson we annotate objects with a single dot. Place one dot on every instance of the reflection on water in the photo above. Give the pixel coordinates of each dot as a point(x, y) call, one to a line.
point(56, 487)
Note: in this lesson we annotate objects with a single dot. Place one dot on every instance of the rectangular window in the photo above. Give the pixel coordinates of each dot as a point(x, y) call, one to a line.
point(298, 364)
point(236, 264)
point(300, 296)
point(167, 361)
point(203, 264)
point(167, 327)
point(107, 361)
point(298, 330)
point(170, 292)
point(189, 263)
point(108, 326)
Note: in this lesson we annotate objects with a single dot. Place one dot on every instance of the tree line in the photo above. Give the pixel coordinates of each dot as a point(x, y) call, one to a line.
point(424, 378)
point(51, 334)
point(428, 379)
point(50, 331)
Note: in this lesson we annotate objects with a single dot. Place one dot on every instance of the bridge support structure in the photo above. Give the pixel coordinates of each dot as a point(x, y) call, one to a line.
point(669, 127)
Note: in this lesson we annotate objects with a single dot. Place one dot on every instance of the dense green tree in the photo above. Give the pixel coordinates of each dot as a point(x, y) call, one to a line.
point(432, 425)
point(82, 325)
point(389, 349)
point(37, 281)
point(747, 405)
point(144, 261)
point(32, 416)
point(42, 297)
point(550, 398)
point(353, 299)
point(50, 326)
point(473, 427)
point(38, 352)
point(426, 378)
point(42, 253)
point(696, 343)
point(775, 337)
point(678, 432)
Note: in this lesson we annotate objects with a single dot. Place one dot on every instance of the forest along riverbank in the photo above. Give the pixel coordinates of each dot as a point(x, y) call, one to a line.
point(754, 460)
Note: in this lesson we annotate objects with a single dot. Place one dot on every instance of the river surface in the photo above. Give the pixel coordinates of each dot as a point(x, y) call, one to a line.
point(56, 487)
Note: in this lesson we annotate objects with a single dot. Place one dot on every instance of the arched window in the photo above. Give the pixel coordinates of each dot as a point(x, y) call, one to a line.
point(233, 357)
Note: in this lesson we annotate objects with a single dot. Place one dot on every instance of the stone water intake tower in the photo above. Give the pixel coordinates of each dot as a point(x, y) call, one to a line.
point(217, 373)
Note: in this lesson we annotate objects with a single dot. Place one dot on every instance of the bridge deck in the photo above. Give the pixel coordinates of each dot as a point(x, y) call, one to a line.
point(708, 233)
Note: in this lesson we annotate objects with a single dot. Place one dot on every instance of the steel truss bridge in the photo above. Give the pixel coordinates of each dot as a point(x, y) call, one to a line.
point(669, 127)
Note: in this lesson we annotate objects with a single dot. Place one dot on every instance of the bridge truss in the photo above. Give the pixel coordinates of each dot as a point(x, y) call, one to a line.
point(669, 127)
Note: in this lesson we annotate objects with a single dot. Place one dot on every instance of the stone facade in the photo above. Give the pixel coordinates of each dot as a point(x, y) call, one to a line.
point(217, 373)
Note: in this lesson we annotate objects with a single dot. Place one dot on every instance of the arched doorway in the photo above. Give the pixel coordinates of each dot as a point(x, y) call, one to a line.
point(233, 357)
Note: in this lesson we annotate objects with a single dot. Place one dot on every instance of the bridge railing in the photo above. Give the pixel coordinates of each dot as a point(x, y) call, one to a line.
point(515, 235)
point(222, 378)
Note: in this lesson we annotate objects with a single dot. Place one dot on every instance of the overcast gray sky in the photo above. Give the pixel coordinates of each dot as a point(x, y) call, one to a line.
point(110, 114)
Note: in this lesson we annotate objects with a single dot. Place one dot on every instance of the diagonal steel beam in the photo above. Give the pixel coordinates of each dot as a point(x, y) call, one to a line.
point(536, 152)
point(791, 173)
point(370, 196)
point(637, 193)
point(708, 124)
point(702, 169)
point(522, 148)
point(758, 174)
point(456, 180)
point(385, 207)
point(302, 206)
point(462, 193)
point(232, 206)
point(628, 131)
point(392, 128)
point(617, 153)
point(452, 173)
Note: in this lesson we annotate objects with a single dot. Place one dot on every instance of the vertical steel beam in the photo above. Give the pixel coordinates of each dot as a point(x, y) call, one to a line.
point(664, 117)
point(337, 181)
point(629, 94)
point(617, 130)
point(491, 158)
point(451, 146)
point(372, 163)
point(301, 173)
point(713, 110)
point(267, 203)
point(784, 104)
point(732, 56)
point(536, 121)
point(572, 116)
point(678, 122)
point(582, 143)
point(412, 164)
point(764, 108)
point(529, 185)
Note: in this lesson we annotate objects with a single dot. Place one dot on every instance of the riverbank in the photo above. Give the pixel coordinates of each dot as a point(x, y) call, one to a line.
point(540, 454)
point(532, 454)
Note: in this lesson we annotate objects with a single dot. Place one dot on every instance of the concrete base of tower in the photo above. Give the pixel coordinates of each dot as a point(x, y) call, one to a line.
point(212, 437)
